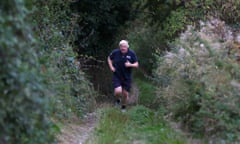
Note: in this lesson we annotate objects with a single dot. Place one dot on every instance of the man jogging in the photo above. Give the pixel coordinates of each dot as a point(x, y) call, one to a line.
point(121, 61)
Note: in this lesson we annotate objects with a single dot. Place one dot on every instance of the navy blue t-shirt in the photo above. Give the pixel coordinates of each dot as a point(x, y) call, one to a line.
point(119, 59)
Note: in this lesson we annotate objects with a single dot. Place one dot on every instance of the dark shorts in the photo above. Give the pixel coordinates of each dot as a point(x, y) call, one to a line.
point(124, 83)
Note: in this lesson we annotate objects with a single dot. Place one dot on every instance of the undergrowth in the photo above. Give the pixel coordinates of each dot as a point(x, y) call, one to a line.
point(147, 94)
point(199, 82)
point(138, 125)
point(68, 89)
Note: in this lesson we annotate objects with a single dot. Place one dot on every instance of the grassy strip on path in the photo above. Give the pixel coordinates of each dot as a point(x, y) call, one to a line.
point(139, 125)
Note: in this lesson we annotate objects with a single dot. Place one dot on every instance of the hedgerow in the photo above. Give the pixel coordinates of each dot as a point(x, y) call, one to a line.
point(41, 79)
point(199, 82)
point(24, 116)
point(69, 90)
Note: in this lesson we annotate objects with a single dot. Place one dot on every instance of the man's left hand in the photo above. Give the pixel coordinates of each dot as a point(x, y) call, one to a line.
point(128, 64)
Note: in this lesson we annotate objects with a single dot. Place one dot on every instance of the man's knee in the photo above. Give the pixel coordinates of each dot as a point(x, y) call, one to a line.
point(118, 90)
point(125, 92)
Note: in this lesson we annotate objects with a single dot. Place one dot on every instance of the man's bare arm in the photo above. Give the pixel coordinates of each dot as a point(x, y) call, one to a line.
point(134, 65)
point(110, 64)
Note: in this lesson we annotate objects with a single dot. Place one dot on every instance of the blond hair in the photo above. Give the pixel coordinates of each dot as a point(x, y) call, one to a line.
point(123, 42)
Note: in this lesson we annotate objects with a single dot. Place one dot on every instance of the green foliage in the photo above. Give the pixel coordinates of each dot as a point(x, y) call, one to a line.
point(111, 127)
point(170, 16)
point(199, 82)
point(138, 125)
point(70, 92)
point(160, 22)
point(23, 103)
point(175, 23)
point(225, 10)
point(156, 24)
point(146, 93)
point(161, 10)
point(143, 41)
point(40, 74)
point(141, 115)
point(98, 24)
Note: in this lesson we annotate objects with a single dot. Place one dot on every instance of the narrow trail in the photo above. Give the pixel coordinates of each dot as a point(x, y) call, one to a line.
point(81, 131)
point(78, 132)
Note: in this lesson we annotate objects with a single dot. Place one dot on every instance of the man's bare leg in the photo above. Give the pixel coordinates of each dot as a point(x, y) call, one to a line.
point(125, 98)
point(118, 94)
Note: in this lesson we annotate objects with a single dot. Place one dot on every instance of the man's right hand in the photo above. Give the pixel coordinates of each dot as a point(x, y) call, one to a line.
point(110, 63)
point(113, 69)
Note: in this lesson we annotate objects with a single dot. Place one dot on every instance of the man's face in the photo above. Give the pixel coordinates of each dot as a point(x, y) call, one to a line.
point(123, 48)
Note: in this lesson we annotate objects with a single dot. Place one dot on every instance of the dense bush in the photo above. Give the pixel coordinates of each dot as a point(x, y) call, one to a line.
point(69, 90)
point(23, 103)
point(225, 10)
point(157, 23)
point(160, 22)
point(199, 81)
point(98, 26)
point(39, 73)
point(99, 22)
point(143, 41)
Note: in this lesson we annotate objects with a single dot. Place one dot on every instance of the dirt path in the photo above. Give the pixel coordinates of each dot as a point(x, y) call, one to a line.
point(78, 132)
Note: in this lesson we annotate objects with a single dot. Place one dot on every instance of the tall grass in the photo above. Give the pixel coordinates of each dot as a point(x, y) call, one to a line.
point(147, 93)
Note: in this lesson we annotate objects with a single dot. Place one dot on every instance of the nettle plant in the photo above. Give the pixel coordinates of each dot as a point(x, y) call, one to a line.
point(199, 81)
